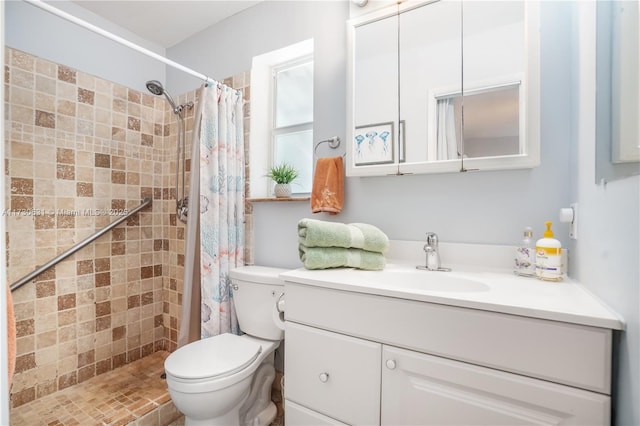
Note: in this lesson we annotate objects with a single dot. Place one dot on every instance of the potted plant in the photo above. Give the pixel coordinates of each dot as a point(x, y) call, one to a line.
point(283, 174)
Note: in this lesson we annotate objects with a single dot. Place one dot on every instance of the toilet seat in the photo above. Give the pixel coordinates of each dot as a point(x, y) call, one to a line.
point(212, 358)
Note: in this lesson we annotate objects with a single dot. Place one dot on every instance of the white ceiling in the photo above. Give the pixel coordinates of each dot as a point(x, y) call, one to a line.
point(165, 22)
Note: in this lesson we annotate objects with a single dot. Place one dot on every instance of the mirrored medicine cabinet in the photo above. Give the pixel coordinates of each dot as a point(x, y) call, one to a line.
point(617, 90)
point(443, 86)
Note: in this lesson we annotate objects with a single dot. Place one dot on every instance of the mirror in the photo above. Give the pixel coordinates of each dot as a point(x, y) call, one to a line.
point(617, 90)
point(491, 121)
point(430, 65)
point(466, 88)
point(375, 87)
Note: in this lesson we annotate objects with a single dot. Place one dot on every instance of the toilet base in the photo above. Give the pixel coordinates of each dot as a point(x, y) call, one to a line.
point(257, 407)
point(230, 418)
point(212, 408)
point(267, 415)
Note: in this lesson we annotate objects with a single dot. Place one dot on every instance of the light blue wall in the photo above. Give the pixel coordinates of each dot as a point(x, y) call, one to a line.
point(47, 36)
point(228, 48)
point(607, 252)
point(482, 207)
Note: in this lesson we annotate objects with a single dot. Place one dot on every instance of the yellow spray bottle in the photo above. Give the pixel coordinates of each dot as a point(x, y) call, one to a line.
point(549, 256)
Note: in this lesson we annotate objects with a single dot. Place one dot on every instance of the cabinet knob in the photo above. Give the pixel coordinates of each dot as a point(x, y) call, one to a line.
point(324, 377)
point(391, 364)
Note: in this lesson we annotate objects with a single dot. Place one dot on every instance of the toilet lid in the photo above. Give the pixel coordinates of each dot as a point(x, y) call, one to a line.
point(216, 356)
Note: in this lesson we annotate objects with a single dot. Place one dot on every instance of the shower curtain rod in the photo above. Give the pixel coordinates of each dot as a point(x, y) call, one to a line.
point(64, 15)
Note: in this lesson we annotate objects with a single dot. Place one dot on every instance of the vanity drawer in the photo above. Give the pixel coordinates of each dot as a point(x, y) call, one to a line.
point(297, 415)
point(333, 374)
point(565, 353)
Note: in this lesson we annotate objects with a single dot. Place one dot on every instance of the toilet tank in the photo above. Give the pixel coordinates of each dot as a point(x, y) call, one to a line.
point(256, 290)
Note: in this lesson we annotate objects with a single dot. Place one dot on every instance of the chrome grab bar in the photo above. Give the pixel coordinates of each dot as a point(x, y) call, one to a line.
point(145, 202)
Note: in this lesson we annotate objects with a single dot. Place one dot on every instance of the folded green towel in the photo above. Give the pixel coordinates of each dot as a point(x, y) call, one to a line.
point(318, 233)
point(337, 257)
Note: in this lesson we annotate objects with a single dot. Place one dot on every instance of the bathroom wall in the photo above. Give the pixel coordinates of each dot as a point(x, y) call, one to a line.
point(484, 207)
point(79, 150)
point(607, 252)
point(47, 36)
point(220, 51)
point(4, 321)
point(79, 49)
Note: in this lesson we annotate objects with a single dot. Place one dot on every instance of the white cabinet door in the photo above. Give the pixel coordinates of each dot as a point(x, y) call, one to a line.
point(297, 415)
point(428, 390)
point(333, 374)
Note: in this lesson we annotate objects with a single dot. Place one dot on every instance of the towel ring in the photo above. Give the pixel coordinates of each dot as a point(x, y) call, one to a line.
point(333, 143)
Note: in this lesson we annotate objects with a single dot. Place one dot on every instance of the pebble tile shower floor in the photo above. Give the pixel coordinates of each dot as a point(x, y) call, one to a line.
point(132, 394)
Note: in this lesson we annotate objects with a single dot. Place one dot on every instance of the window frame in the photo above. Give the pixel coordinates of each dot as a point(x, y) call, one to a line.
point(261, 122)
point(276, 131)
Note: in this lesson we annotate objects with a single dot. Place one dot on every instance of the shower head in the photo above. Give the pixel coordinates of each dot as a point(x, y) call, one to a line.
point(155, 87)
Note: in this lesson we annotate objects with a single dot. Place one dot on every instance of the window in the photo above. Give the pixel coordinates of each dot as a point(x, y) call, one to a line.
point(282, 116)
point(292, 133)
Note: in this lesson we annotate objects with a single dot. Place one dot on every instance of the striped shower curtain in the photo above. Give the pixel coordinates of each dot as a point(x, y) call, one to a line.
point(221, 205)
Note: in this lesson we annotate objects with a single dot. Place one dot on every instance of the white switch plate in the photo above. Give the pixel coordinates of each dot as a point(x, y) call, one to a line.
point(573, 226)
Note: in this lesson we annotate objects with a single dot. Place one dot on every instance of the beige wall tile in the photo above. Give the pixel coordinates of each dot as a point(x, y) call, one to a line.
point(20, 150)
point(46, 68)
point(69, 362)
point(46, 339)
point(22, 78)
point(46, 322)
point(45, 85)
point(25, 345)
point(105, 125)
point(85, 313)
point(23, 97)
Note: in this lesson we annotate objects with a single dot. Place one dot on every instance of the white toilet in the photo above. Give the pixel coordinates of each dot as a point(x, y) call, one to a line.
point(226, 379)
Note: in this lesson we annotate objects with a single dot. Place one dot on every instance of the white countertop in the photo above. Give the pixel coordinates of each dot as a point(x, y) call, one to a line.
point(489, 289)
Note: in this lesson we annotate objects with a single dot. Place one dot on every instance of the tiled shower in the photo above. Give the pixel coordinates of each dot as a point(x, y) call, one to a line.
point(80, 151)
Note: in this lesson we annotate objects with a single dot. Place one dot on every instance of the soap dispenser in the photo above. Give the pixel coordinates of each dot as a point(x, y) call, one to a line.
point(525, 256)
point(549, 256)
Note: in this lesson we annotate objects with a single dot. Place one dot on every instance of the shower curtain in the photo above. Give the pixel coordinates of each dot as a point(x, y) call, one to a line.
point(215, 226)
point(446, 141)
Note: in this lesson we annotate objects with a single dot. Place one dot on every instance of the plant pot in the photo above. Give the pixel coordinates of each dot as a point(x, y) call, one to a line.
point(282, 190)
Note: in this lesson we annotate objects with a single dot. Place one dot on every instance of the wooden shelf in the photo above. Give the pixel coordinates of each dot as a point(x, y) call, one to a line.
point(271, 199)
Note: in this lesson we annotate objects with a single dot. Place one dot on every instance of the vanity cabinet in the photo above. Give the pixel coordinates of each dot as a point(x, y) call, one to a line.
point(357, 358)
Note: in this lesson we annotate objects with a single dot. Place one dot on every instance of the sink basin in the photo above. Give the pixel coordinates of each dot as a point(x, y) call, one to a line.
point(425, 280)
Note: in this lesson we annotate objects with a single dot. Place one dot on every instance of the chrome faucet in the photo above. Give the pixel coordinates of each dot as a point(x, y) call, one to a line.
point(433, 256)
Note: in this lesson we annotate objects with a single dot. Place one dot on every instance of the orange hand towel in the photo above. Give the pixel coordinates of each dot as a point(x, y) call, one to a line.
point(11, 336)
point(327, 194)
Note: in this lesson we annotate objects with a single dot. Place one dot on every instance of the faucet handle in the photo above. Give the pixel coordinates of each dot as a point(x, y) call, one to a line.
point(432, 239)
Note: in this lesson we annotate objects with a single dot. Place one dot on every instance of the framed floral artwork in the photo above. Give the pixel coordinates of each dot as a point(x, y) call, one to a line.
point(373, 144)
